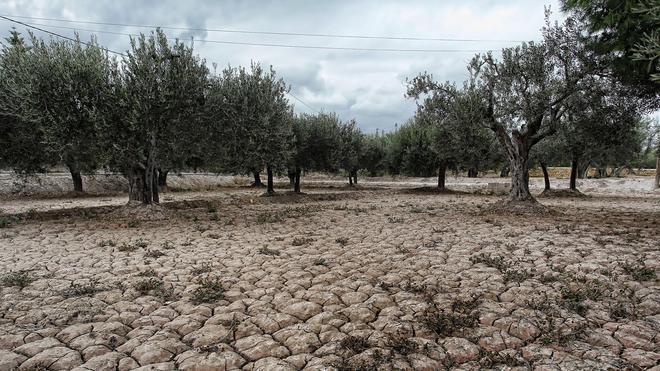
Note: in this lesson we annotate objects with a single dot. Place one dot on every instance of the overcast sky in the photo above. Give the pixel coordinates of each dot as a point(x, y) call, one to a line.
point(366, 85)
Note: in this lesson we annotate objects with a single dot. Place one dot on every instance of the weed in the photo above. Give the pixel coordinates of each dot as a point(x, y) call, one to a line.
point(201, 269)
point(153, 254)
point(516, 275)
point(300, 241)
point(402, 345)
point(320, 261)
point(20, 279)
point(201, 228)
point(133, 223)
point(214, 217)
point(4, 222)
point(85, 289)
point(354, 344)
point(489, 359)
point(210, 290)
point(211, 209)
point(395, 219)
point(266, 251)
point(639, 272)
point(167, 245)
point(148, 285)
point(497, 262)
point(106, 243)
point(342, 241)
point(150, 272)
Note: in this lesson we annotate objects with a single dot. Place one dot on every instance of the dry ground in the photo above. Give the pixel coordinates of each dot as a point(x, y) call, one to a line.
point(382, 279)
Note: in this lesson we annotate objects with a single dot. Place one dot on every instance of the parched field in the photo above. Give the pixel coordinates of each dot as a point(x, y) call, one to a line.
point(345, 279)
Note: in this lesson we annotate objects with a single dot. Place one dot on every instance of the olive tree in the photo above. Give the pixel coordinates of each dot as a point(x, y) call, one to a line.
point(70, 94)
point(21, 135)
point(160, 93)
point(351, 149)
point(525, 93)
point(316, 144)
point(251, 122)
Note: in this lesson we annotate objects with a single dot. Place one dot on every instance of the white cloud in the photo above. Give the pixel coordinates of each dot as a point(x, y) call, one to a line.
point(368, 86)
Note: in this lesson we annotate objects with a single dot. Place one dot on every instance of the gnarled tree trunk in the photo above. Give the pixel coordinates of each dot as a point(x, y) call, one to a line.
point(574, 174)
point(143, 178)
point(656, 185)
point(269, 184)
point(257, 179)
point(76, 177)
point(546, 176)
point(162, 178)
point(296, 180)
point(442, 175)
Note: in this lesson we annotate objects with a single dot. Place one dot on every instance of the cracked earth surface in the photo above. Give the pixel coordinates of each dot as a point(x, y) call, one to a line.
point(379, 279)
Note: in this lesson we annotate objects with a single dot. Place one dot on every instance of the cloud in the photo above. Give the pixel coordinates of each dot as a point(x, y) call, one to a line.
point(367, 86)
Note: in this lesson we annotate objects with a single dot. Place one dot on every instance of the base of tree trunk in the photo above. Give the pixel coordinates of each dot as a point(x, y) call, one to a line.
point(519, 207)
point(436, 190)
point(563, 193)
point(257, 185)
point(268, 194)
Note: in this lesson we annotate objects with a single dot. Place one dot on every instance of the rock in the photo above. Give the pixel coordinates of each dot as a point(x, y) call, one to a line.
point(303, 310)
point(10, 360)
point(35, 347)
point(58, 358)
point(641, 358)
point(107, 361)
point(158, 351)
point(208, 335)
point(226, 360)
point(274, 364)
point(461, 350)
point(256, 347)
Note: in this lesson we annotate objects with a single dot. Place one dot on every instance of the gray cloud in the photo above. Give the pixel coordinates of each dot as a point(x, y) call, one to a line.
point(367, 86)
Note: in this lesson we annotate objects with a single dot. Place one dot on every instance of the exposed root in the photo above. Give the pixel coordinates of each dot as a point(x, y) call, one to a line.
point(519, 207)
point(563, 193)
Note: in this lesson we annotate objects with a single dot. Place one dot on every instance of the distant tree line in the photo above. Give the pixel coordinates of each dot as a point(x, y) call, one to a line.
point(159, 109)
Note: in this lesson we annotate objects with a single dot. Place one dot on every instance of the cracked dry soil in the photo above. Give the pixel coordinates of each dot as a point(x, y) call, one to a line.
point(374, 279)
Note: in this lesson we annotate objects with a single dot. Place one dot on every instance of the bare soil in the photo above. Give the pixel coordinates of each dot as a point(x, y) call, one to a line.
point(337, 278)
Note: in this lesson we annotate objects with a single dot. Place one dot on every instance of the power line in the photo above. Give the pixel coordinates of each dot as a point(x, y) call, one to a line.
point(319, 35)
point(121, 54)
point(293, 46)
point(58, 35)
point(303, 102)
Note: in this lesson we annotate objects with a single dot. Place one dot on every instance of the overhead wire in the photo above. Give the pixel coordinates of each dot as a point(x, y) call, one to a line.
point(277, 33)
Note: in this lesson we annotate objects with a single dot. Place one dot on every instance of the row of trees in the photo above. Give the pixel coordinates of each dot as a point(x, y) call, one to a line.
point(160, 109)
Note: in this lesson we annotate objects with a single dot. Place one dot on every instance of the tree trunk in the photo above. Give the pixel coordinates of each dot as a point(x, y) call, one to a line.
point(582, 171)
point(257, 179)
point(154, 186)
point(355, 177)
point(442, 175)
point(656, 185)
point(574, 174)
point(296, 180)
point(162, 178)
point(520, 178)
point(546, 176)
point(292, 177)
point(77, 179)
point(269, 187)
point(504, 172)
point(143, 178)
point(350, 180)
point(472, 173)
